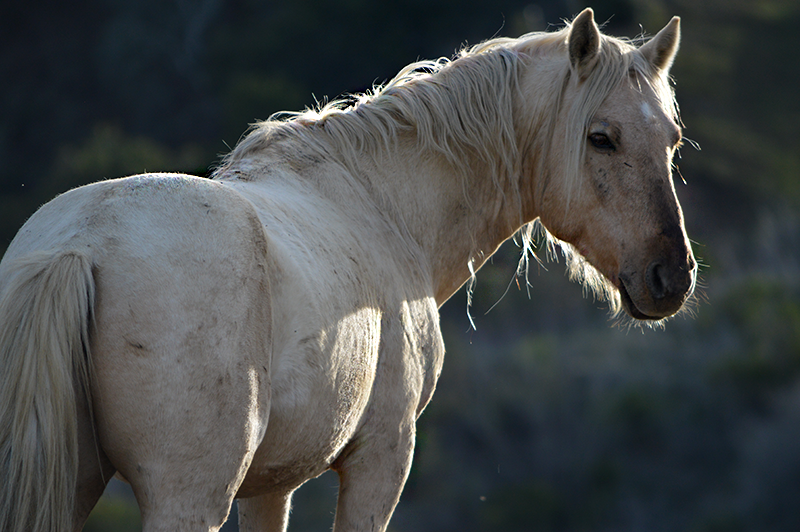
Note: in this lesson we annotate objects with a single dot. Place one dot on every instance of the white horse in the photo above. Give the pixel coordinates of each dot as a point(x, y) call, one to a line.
point(232, 338)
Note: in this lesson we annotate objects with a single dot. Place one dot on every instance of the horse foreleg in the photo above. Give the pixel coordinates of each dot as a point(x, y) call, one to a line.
point(265, 513)
point(372, 473)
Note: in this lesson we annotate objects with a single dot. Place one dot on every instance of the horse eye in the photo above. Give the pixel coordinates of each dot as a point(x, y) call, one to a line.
point(601, 142)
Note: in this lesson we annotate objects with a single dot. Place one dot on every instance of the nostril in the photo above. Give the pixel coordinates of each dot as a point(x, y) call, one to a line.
point(656, 279)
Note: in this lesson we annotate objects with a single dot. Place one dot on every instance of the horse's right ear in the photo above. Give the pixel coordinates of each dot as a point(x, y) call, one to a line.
point(584, 41)
point(660, 50)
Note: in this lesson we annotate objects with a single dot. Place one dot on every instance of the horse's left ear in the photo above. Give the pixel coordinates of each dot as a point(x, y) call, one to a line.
point(660, 50)
point(584, 41)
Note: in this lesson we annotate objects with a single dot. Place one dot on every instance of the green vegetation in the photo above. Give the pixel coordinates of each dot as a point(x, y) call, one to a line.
point(114, 513)
point(548, 417)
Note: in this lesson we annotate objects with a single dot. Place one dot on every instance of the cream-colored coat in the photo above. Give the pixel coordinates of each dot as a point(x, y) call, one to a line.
point(235, 337)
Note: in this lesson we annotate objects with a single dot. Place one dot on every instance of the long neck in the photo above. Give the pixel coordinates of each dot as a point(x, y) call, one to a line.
point(458, 220)
point(448, 170)
point(444, 156)
point(461, 177)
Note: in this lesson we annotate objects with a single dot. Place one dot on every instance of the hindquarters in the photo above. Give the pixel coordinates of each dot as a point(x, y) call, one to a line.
point(180, 339)
point(182, 351)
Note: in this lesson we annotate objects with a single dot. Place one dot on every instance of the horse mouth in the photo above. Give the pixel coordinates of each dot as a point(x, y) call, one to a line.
point(629, 306)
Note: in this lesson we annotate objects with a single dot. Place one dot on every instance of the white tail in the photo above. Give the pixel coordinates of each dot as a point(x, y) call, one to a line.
point(45, 314)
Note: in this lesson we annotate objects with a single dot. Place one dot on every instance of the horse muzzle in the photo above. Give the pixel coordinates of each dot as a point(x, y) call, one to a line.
point(659, 290)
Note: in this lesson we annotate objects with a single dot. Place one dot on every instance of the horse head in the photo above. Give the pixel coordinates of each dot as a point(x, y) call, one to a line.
point(608, 188)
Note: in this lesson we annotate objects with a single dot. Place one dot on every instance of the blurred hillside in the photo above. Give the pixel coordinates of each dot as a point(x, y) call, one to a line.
point(548, 417)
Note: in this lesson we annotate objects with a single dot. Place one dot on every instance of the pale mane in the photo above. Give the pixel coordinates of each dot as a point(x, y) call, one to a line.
point(453, 107)
point(463, 108)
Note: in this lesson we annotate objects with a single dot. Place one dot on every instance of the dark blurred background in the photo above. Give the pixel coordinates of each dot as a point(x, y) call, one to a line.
point(548, 417)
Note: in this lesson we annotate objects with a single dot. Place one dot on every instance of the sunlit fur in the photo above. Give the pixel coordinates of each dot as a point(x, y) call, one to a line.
point(466, 106)
point(249, 332)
